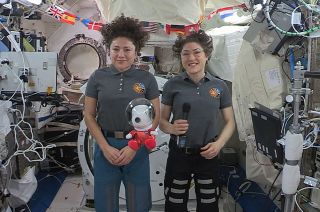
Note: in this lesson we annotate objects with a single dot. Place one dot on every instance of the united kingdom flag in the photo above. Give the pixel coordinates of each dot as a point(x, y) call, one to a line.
point(55, 11)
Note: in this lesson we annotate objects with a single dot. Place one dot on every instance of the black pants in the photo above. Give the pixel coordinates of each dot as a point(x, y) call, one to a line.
point(180, 169)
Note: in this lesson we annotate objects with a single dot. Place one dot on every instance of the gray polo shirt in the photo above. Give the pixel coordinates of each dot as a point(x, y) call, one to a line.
point(114, 90)
point(205, 98)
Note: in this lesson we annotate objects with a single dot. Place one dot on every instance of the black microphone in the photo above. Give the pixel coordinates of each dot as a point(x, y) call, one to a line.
point(182, 139)
point(185, 110)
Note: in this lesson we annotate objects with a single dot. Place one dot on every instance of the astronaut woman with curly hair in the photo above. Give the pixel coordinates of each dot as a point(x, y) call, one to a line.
point(108, 92)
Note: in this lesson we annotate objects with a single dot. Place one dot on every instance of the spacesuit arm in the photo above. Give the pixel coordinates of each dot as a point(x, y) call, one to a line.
point(153, 132)
point(131, 134)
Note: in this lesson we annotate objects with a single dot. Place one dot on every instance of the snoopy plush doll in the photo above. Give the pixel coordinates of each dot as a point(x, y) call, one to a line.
point(140, 114)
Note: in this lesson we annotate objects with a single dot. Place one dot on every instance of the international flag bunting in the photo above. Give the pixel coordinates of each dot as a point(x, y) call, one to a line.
point(226, 11)
point(95, 26)
point(181, 29)
point(191, 28)
point(85, 21)
point(64, 16)
point(55, 12)
point(150, 26)
point(68, 18)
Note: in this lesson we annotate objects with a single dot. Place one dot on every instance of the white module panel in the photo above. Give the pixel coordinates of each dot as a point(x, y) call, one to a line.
point(38, 71)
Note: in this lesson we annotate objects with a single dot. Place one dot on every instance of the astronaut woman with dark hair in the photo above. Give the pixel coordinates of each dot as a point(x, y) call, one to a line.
point(195, 98)
point(108, 93)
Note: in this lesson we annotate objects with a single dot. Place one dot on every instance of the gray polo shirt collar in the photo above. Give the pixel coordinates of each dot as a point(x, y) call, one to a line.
point(114, 71)
point(207, 76)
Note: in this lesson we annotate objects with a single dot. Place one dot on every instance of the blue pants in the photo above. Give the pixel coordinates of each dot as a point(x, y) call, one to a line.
point(135, 177)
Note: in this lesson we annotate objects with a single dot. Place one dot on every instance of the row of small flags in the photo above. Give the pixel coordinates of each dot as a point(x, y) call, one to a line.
point(182, 29)
point(64, 16)
point(227, 11)
point(170, 28)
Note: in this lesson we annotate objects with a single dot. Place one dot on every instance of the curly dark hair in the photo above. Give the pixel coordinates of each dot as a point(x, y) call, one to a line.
point(199, 37)
point(125, 27)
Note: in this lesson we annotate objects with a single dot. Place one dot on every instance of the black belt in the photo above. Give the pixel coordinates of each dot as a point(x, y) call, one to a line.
point(116, 134)
point(185, 150)
point(188, 150)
